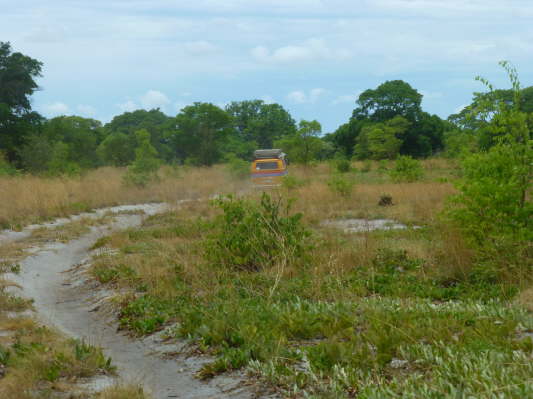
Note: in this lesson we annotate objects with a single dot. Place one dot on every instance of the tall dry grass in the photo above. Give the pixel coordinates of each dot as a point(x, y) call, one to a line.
point(417, 202)
point(26, 199)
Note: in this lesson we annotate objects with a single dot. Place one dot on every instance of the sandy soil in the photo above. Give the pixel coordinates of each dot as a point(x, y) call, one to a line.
point(65, 298)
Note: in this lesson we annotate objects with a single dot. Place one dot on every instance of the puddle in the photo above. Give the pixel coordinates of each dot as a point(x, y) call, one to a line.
point(364, 225)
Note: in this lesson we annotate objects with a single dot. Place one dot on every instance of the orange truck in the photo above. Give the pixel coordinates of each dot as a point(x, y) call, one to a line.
point(268, 167)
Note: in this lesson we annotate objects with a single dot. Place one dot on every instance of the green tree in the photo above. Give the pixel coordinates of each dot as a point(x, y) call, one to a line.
point(17, 84)
point(61, 162)
point(128, 123)
point(260, 123)
point(397, 98)
point(117, 149)
point(82, 135)
point(343, 139)
point(146, 165)
point(381, 140)
point(305, 146)
point(494, 204)
point(36, 153)
point(459, 142)
point(201, 133)
point(388, 100)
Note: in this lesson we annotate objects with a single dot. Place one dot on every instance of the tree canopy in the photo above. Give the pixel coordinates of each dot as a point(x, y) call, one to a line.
point(17, 83)
point(389, 99)
point(200, 133)
point(375, 108)
point(260, 123)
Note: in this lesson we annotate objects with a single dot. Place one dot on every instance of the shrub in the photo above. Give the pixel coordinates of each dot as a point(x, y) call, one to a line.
point(385, 200)
point(253, 236)
point(343, 166)
point(406, 169)
point(494, 206)
point(383, 165)
point(341, 185)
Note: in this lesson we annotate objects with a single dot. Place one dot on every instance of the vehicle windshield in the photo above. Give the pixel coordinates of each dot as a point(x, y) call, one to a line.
point(266, 165)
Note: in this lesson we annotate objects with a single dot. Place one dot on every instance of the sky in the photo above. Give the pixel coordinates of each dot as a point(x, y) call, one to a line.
point(105, 57)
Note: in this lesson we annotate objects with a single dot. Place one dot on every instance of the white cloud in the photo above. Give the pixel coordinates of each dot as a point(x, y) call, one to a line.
point(86, 110)
point(128, 106)
point(431, 95)
point(301, 97)
point(47, 34)
point(199, 48)
point(268, 99)
point(55, 109)
point(310, 50)
point(154, 99)
point(297, 96)
point(346, 98)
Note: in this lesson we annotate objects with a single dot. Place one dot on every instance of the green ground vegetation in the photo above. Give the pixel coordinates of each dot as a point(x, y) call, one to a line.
point(353, 315)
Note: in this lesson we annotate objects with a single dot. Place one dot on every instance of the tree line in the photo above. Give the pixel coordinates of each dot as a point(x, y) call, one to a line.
point(388, 121)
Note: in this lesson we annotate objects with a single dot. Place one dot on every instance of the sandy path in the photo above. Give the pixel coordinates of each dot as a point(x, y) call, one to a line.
point(64, 301)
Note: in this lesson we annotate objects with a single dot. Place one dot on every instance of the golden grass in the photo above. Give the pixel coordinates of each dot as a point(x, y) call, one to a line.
point(419, 202)
point(27, 199)
point(46, 361)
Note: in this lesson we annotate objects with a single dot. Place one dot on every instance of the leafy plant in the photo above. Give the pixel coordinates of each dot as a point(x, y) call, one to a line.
point(341, 185)
point(406, 169)
point(251, 236)
point(343, 166)
point(493, 206)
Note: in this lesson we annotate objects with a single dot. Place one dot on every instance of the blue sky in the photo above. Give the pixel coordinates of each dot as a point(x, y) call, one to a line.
point(104, 57)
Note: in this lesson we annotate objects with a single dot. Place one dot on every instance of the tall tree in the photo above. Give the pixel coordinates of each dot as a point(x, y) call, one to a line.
point(260, 123)
point(392, 98)
point(343, 139)
point(200, 133)
point(397, 98)
point(17, 84)
point(154, 122)
point(305, 146)
point(81, 135)
point(381, 140)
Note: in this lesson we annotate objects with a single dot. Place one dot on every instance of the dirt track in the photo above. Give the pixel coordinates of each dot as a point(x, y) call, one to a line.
point(66, 299)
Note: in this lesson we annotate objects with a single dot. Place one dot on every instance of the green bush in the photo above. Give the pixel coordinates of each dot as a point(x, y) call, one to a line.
point(340, 184)
point(406, 169)
point(383, 165)
point(493, 207)
point(343, 166)
point(253, 236)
